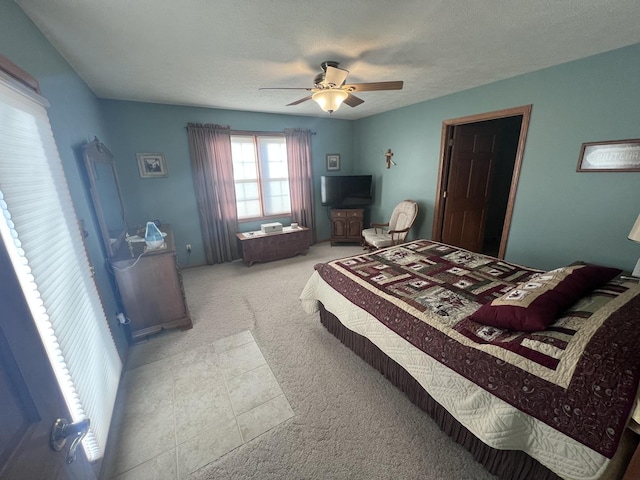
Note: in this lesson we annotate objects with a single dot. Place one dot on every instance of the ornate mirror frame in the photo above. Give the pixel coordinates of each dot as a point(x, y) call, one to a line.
point(105, 192)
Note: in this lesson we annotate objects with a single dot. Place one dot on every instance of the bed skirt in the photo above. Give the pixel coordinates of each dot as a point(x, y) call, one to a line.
point(506, 464)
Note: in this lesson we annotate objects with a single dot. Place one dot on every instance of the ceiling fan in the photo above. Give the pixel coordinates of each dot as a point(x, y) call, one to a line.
point(330, 90)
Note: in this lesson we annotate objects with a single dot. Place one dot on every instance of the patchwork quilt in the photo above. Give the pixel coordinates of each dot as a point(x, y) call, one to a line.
point(579, 376)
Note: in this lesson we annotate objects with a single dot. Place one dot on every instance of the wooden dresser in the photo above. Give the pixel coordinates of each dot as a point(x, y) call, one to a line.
point(150, 286)
point(346, 225)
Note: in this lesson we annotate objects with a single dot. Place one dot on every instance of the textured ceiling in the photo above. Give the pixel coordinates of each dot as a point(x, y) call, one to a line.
point(219, 53)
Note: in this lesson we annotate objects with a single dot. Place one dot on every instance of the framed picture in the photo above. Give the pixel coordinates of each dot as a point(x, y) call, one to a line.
point(612, 156)
point(152, 165)
point(333, 161)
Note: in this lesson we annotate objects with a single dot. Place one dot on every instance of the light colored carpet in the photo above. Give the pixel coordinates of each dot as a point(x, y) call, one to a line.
point(349, 423)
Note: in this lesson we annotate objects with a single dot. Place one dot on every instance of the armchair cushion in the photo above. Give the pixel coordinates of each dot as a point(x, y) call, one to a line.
point(396, 231)
point(379, 238)
point(403, 215)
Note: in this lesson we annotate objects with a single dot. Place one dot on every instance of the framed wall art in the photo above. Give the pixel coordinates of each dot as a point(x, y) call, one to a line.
point(333, 162)
point(152, 165)
point(610, 156)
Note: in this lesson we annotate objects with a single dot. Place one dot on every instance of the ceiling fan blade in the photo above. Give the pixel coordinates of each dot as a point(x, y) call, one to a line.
point(353, 101)
point(299, 101)
point(284, 88)
point(335, 76)
point(365, 87)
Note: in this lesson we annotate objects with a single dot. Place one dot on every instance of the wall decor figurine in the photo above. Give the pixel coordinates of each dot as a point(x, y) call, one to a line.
point(388, 154)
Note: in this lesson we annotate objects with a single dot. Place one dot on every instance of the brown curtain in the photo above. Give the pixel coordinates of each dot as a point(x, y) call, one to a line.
point(300, 178)
point(212, 168)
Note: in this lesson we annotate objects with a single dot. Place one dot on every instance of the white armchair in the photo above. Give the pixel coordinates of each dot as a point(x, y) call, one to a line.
point(395, 232)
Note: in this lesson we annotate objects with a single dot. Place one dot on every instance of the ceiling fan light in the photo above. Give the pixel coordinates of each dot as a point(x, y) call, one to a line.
point(330, 100)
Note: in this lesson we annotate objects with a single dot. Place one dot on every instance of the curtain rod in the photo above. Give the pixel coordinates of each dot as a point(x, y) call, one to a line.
point(250, 132)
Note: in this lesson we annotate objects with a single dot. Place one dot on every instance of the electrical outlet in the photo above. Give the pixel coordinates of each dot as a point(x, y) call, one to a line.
point(188, 248)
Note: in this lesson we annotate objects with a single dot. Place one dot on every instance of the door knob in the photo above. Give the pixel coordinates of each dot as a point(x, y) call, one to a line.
point(63, 430)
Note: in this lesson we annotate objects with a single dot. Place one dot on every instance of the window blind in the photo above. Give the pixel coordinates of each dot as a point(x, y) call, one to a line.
point(41, 233)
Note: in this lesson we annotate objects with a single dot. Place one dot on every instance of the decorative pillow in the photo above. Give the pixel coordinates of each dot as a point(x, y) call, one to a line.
point(532, 306)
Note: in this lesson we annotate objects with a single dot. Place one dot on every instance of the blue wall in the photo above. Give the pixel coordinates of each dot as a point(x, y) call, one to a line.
point(145, 127)
point(75, 118)
point(560, 215)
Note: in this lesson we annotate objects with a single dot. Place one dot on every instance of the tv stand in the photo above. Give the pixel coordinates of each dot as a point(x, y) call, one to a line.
point(346, 225)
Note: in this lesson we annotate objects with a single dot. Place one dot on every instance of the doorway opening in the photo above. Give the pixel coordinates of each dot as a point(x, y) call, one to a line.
point(480, 161)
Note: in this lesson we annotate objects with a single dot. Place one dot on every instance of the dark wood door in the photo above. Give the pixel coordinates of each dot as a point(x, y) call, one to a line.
point(30, 399)
point(468, 185)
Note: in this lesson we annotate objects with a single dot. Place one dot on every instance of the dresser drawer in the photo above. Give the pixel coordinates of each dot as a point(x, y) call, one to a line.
point(347, 213)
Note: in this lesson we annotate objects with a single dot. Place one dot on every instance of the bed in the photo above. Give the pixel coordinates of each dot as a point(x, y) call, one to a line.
point(461, 334)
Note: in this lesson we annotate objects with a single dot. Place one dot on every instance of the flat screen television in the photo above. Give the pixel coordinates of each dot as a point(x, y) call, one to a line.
point(346, 191)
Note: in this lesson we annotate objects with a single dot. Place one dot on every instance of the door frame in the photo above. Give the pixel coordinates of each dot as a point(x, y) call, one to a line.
point(443, 169)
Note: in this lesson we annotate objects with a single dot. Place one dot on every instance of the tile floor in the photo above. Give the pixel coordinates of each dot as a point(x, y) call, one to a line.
point(178, 414)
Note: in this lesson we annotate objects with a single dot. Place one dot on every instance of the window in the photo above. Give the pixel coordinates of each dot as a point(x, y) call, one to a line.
point(261, 175)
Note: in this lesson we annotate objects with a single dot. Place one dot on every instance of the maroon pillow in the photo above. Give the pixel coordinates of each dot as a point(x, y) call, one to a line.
point(532, 306)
